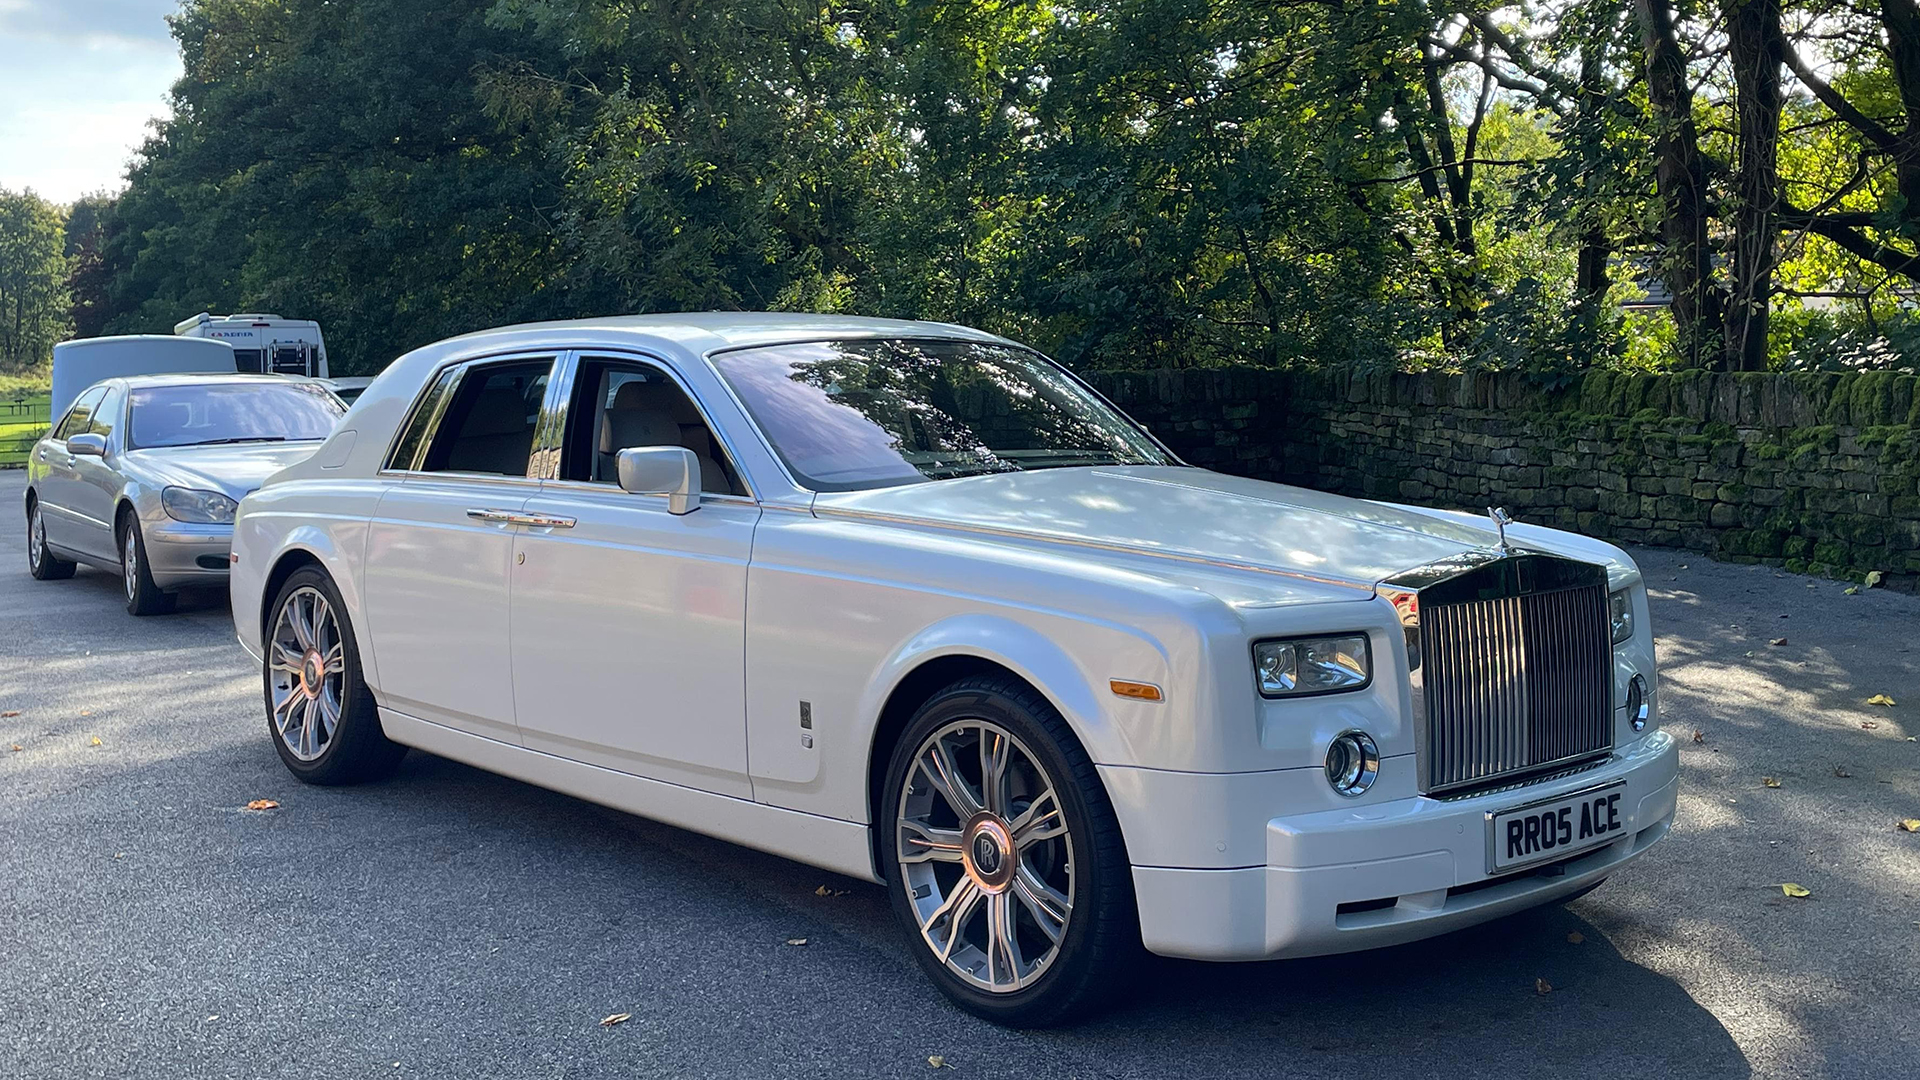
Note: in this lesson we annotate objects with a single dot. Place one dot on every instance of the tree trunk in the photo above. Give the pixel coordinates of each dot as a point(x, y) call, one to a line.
point(1590, 267)
point(1686, 259)
point(1753, 28)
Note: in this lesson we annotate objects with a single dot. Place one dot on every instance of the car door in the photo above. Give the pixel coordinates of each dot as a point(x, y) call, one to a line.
point(629, 620)
point(96, 480)
point(58, 488)
point(436, 572)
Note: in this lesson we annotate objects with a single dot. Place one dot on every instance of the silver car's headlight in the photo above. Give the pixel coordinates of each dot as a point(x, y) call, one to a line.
point(1621, 605)
point(1297, 667)
point(199, 507)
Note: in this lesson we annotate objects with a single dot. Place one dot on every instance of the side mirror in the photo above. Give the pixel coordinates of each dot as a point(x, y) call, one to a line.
point(672, 471)
point(87, 444)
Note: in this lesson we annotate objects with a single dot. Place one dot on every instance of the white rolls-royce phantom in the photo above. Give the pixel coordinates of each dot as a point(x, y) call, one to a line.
point(912, 603)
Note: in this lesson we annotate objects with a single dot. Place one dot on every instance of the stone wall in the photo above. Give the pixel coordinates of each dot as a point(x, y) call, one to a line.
point(1816, 473)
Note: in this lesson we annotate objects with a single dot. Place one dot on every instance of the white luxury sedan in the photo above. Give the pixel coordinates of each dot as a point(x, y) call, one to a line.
point(910, 602)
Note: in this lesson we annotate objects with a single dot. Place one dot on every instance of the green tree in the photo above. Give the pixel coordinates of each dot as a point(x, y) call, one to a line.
point(33, 276)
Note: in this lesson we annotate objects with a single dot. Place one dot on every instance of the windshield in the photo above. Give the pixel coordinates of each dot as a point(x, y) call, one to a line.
point(846, 415)
point(195, 414)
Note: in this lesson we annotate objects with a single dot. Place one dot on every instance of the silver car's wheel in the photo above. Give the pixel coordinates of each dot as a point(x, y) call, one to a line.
point(42, 563)
point(984, 849)
point(130, 563)
point(36, 537)
point(307, 665)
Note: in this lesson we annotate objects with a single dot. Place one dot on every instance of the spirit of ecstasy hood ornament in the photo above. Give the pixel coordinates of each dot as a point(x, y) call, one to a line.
point(1500, 522)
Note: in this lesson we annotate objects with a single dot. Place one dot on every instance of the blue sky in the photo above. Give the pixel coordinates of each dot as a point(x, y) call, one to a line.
point(79, 81)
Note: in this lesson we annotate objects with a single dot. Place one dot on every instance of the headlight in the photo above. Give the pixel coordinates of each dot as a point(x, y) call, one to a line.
point(1621, 604)
point(201, 507)
point(1321, 665)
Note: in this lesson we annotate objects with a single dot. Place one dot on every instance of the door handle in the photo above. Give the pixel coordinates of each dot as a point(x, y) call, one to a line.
point(514, 517)
point(543, 521)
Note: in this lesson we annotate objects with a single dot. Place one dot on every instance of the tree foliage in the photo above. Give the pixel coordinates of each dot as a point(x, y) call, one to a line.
point(1122, 182)
point(33, 280)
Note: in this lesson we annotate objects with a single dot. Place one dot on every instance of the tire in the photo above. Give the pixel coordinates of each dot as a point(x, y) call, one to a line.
point(978, 864)
point(355, 750)
point(143, 596)
point(43, 564)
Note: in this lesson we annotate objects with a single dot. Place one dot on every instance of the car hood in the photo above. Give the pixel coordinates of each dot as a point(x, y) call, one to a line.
point(1195, 514)
point(233, 470)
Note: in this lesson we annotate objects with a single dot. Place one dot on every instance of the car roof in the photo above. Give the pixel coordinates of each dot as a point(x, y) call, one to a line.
point(706, 331)
point(183, 378)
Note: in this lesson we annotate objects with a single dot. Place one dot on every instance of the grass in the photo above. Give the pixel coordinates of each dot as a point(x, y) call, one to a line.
point(23, 419)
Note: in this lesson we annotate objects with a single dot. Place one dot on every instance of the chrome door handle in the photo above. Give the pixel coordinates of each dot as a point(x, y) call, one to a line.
point(503, 516)
point(543, 521)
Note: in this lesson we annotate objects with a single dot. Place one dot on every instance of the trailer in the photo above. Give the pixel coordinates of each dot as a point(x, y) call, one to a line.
point(264, 343)
point(80, 363)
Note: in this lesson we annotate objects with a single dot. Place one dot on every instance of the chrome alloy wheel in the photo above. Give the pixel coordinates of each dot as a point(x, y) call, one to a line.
point(308, 662)
point(130, 560)
point(983, 851)
point(36, 538)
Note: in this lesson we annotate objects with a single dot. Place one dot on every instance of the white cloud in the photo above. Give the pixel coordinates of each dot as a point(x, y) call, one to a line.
point(79, 82)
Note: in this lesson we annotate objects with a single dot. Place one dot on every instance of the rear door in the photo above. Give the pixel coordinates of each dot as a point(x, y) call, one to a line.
point(436, 572)
point(58, 489)
point(629, 631)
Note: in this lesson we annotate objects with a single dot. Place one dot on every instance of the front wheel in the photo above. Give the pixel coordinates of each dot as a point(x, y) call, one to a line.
point(144, 597)
point(320, 713)
point(1005, 860)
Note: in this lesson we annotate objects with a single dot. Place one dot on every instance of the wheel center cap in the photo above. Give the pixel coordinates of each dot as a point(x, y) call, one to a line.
point(313, 673)
point(986, 849)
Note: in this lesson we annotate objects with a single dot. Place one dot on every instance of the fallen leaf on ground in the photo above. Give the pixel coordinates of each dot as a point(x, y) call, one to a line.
point(1575, 938)
point(1851, 590)
point(824, 891)
point(1873, 578)
point(17, 748)
point(1869, 725)
point(616, 1018)
point(96, 741)
point(1699, 736)
point(1770, 781)
point(796, 941)
point(1910, 825)
point(1778, 641)
point(1841, 772)
point(86, 712)
point(1881, 699)
point(263, 804)
point(9, 714)
point(1795, 890)
point(1542, 986)
point(936, 1061)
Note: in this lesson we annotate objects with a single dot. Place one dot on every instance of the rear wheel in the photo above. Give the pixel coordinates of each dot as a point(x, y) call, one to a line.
point(320, 712)
point(42, 563)
point(1006, 863)
point(143, 596)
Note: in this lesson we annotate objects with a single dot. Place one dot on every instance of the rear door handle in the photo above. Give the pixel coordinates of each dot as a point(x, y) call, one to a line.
point(515, 517)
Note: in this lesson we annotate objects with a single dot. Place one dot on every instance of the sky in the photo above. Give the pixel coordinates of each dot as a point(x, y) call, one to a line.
point(79, 82)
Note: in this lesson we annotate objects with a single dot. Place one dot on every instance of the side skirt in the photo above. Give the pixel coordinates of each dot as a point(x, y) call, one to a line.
point(829, 843)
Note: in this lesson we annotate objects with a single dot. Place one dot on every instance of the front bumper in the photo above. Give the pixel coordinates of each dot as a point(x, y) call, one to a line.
point(1389, 872)
point(181, 553)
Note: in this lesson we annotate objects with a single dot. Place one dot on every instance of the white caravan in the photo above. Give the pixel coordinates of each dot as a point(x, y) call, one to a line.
point(80, 363)
point(264, 343)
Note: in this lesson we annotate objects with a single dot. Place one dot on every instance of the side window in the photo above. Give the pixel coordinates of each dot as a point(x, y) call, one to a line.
point(619, 404)
point(407, 450)
point(488, 424)
point(80, 414)
point(106, 416)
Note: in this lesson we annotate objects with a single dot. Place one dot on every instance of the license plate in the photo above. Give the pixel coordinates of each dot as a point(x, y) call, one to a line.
point(1555, 828)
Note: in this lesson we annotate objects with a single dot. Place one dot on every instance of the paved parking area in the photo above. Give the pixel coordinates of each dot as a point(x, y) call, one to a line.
point(450, 923)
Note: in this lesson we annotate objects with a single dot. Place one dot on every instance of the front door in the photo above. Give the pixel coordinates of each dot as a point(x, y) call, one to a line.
point(628, 620)
point(439, 547)
point(97, 480)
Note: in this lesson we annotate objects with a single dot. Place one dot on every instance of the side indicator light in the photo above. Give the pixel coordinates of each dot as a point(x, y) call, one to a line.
point(233, 557)
point(1138, 691)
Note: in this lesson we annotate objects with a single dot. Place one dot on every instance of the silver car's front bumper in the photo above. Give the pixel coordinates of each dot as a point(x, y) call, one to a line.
point(181, 553)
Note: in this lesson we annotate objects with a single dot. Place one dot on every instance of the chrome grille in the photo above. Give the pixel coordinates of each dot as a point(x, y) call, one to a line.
point(1515, 680)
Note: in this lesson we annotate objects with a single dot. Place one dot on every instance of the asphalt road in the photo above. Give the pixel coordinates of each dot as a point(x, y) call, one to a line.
point(451, 923)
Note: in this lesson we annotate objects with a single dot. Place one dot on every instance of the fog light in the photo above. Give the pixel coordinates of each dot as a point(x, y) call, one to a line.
point(1637, 708)
point(1353, 761)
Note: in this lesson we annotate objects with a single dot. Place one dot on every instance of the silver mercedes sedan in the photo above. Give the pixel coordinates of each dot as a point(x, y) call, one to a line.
point(142, 475)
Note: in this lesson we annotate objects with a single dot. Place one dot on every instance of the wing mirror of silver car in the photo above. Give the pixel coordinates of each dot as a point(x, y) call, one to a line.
point(662, 470)
point(87, 444)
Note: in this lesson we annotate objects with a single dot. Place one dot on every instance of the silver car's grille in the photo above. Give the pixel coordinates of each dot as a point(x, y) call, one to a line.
point(1517, 672)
